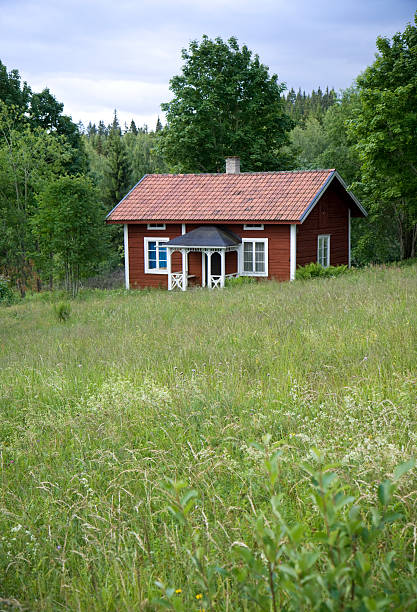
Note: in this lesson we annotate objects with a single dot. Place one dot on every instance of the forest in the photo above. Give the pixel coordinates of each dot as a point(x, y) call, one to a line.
point(58, 179)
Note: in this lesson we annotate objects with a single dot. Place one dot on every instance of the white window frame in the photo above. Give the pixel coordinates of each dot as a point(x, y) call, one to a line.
point(251, 227)
point(146, 242)
point(241, 263)
point(327, 237)
point(156, 226)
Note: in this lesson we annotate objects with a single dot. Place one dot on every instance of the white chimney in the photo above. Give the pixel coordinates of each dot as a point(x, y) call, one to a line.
point(232, 165)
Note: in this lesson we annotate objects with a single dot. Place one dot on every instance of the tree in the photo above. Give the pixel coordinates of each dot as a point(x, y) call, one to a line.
point(118, 172)
point(385, 129)
point(68, 224)
point(225, 103)
point(28, 160)
point(12, 92)
point(158, 127)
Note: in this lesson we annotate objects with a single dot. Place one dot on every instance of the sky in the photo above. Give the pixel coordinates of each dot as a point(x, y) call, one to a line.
point(98, 55)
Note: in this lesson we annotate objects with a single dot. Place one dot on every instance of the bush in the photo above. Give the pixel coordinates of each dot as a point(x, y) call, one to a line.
point(240, 280)
point(62, 311)
point(315, 270)
point(326, 561)
point(7, 295)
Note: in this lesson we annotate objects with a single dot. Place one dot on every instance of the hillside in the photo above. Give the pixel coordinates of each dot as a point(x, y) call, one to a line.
point(98, 412)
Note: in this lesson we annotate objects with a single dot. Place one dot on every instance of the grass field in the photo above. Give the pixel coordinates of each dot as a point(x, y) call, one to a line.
point(134, 389)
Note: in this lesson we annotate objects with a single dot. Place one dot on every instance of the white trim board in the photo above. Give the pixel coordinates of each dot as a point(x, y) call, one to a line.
point(323, 189)
point(293, 251)
point(149, 270)
point(126, 253)
point(240, 255)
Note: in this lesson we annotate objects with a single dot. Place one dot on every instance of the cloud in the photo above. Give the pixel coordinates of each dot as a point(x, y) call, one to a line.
point(97, 55)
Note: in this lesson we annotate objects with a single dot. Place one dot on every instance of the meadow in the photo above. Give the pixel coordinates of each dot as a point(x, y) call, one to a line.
point(128, 474)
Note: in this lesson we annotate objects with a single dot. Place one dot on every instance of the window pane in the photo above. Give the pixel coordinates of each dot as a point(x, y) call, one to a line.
point(259, 257)
point(152, 255)
point(162, 257)
point(260, 265)
point(248, 256)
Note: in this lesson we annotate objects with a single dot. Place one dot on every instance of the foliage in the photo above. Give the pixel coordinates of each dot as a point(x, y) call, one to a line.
point(7, 295)
point(62, 311)
point(68, 227)
point(42, 110)
point(384, 130)
point(140, 387)
point(292, 566)
point(117, 171)
point(238, 281)
point(225, 103)
point(29, 159)
point(314, 270)
point(301, 106)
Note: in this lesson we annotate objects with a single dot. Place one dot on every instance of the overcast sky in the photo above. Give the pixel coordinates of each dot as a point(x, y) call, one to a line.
point(97, 55)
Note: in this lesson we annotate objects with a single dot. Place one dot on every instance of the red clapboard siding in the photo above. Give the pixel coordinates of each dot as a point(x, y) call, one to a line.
point(329, 216)
point(278, 253)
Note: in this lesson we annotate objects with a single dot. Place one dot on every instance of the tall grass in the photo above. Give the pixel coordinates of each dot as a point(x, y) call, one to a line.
point(141, 387)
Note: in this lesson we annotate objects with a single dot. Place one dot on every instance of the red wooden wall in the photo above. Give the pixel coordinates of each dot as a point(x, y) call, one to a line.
point(278, 253)
point(329, 216)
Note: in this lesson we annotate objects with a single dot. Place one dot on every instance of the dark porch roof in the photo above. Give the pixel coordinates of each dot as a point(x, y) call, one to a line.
point(206, 236)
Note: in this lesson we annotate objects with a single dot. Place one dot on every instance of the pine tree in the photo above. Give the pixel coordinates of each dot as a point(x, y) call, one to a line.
point(133, 129)
point(118, 170)
point(158, 127)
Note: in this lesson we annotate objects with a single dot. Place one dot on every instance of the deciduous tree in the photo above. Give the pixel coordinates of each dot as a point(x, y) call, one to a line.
point(385, 130)
point(225, 103)
point(69, 224)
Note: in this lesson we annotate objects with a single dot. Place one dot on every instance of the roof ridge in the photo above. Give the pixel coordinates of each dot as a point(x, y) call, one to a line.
point(240, 173)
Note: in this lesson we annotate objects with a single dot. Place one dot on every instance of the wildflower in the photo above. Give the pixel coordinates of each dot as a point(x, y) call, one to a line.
point(178, 591)
point(199, 596)
point(16, 529)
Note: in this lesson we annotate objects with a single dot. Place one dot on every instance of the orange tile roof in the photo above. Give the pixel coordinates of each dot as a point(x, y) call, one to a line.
point(249, 196)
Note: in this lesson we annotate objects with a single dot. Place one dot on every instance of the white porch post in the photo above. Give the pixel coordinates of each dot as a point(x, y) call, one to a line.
point(223, 267)
point(293, 251)
point(209, 269)
point(126, 249)
point(203, 269)
point(349, 255)
point(169, 266)
point(184, 269)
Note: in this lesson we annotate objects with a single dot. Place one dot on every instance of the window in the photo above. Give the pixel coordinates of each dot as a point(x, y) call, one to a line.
point(255, 256)
point(155, 255)
point(156, 226)
point(253, 227)
point(323, 250)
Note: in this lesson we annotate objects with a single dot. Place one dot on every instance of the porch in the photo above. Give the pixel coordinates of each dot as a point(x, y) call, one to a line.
point(205, 257)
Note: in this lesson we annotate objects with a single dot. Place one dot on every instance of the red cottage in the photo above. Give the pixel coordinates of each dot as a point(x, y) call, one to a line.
point(199, 229)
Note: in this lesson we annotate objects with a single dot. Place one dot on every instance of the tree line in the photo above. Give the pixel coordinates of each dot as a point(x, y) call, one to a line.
point(59, 179)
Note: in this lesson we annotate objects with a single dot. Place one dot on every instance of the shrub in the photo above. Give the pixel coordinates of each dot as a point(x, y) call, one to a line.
point(314, 270)
point(324, 562)
point(7, 295)
point(240, 280)
point(62, 311)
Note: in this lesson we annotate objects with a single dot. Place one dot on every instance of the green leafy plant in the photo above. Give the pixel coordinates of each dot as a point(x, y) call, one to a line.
point(315, 270)
point(62, 311)
point(336, 558)
point(7, 295)
point(239, 281)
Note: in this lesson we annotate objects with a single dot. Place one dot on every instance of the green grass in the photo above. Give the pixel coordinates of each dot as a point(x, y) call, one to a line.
point(135, 388)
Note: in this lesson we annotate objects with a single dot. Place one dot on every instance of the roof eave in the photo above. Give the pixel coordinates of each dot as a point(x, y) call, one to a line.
point(334, 174)
point(352, 195)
